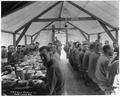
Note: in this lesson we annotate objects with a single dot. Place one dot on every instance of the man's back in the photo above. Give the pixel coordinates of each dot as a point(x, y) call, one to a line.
point(101, 69)
point(86, 59)
point(93, 58)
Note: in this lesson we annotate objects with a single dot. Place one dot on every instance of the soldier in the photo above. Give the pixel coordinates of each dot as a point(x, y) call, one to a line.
point(55, 81)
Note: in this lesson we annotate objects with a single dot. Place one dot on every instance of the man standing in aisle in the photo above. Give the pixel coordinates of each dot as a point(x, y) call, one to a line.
point(55, 81)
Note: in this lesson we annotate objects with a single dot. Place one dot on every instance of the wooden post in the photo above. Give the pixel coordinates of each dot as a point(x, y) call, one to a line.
point(66, 34)
point(117, 36)
point(53, 33)
point(31, 39)
point(98, 37)
point(25, 40)
point(88, 37)
point(14, 41)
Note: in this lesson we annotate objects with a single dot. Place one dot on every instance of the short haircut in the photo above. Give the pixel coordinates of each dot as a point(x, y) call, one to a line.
point(37, 43)
point(45, 47)
point(97, 44)
point(49, 43)
point(3, 46)
point(9, 46)
point(23, 45)
point(18, 46)
point(105, 48)
point(92, 45)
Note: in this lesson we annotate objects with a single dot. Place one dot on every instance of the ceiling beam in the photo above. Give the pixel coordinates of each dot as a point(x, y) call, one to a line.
point(101, 32)
point(94, 16)
point(60, 29)
point(9, 32)
point(81, 31)
point(40, 31)
point(42, 13)
point(107, 31)
point(64, 19)
point(22, 34)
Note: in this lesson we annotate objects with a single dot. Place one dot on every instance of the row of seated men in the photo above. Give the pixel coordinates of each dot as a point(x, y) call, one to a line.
point(11, 56)
point(97, 63)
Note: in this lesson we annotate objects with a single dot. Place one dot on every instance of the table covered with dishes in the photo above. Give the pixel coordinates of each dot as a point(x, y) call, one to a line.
point(26, 78)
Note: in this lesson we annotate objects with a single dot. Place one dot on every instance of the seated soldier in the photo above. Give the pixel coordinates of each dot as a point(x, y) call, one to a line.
point(10, 53)
point(3, 55)
point(18, 55)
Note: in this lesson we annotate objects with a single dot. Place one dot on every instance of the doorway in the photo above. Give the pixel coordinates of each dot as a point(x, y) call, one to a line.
point(61, 36)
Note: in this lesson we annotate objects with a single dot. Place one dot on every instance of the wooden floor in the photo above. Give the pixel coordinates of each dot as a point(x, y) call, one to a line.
point(73, 85)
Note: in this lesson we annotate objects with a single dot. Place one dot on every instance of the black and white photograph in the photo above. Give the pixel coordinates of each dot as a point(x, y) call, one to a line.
point(60, 48)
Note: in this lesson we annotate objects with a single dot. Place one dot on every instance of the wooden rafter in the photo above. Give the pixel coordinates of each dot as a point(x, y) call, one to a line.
point(37, 34)
point(23, 33)
point(92, 15)
point(66, 34)
point(98, 36)
point(117, 36)
point(45, 11)
point(43, 28)
point(101, 32)
point(64, 19)
point(89, 37)
point(53, 33)
point(81, 31)
point(14, 40)
point(107, 31)
point(25, 40)
point(61, 9)
point(9, 32)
